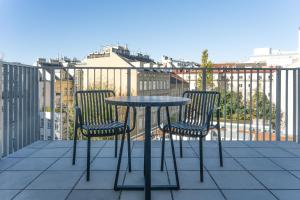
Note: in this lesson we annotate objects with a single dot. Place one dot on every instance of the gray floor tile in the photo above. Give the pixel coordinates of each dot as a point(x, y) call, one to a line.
point(242, 152)
point(248, 194)
point(184, 163)
point(16, 179)
point(138, 163)
point(288, 163)
point(82, 153)
point(287, 194)
point(66, 164)
point(191, 180)
point(39, 144)
point(51, 152)
point(23, 153)
point(137, 178)
point(99, 180)
point(55, 180)
point(228, 164)
point(8, 194)
point(60, 144)
point(277, 179)
point(261, 144)
point(42, 194)
point(8, 162)
point(293, 151)
point(94, 195)
point(258, 164)
point(138, 195)
point(94, 143)
point(108, 164)
point(211, 152)
point(235, 180)
point(109, 152)
point(287, 144)
point(33, 164)
point(197, 194)
point(234, 144)
point(274, 152)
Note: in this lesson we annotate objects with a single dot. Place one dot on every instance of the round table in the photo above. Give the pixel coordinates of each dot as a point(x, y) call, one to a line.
point(148, 102)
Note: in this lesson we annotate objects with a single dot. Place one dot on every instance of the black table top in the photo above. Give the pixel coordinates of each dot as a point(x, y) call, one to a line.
point(153, 101)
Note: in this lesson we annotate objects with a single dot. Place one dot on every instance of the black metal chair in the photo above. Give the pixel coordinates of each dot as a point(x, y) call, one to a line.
point(196, 122)
point(95, 118)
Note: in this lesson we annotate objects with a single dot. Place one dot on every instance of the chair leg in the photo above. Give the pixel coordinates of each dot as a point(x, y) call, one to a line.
point(174, 161)
point(163, 152)
point(116, 145)
point(74, 146)
point(88, 158)
point(129, 151)
point(201, 158)
point(180, 145)
point(220, 146)
point(119, 163)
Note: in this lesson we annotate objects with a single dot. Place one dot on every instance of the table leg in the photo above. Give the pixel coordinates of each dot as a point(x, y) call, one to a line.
point(147, 155)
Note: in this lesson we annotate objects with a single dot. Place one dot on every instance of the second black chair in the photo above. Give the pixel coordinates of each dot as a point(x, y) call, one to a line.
point(195, 121)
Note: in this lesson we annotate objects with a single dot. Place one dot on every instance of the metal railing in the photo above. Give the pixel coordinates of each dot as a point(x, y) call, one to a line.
point(258, 104)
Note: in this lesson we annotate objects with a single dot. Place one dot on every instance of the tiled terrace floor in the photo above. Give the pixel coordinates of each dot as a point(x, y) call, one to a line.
point(259, 170)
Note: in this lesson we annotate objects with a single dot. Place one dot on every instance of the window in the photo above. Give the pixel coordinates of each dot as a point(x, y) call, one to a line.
point(154, 85)
point(141, 85)
point(42, 123)
point(145, 85)
point(240, 76)
point(150, 85)
point(49, 124)
point(241, 85)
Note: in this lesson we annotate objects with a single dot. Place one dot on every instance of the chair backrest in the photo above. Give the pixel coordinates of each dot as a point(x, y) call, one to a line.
point(202, 102)
point(94, 110)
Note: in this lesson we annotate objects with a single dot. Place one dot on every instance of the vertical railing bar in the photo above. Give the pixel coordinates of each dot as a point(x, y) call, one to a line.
point(61, 104)
point(5, 110)
point(20, 92)
point(10, 108)
point(16, 109)
point(257, 110)
point(298, 96)
point(107, 86)
point(52, 103)
point(67, 106)
point(225, 102)
point(238, 105)
point(271, 106)
point(44, 102)
point(264, 105)
point(286, 104)
point(245, 104)
point(278, 103)
point(294, 105)
point(250, 106)
point(231, 93)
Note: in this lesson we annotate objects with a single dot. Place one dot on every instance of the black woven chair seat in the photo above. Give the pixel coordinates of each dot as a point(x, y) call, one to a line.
point(106, 126)
point(187, 129)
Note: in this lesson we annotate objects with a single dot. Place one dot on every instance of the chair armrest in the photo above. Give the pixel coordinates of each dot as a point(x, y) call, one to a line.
point(134, 120)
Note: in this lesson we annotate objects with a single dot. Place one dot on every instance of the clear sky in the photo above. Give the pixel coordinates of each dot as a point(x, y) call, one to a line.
point(229, 29)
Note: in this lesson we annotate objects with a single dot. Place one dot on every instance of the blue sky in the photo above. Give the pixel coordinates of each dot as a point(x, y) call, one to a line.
point(182, 29)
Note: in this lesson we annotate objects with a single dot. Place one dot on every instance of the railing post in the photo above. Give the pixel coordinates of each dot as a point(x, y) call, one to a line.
point(298, 96)
point(1, 111)
point(278, 103)
point(204, 79)
point(52, 101)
